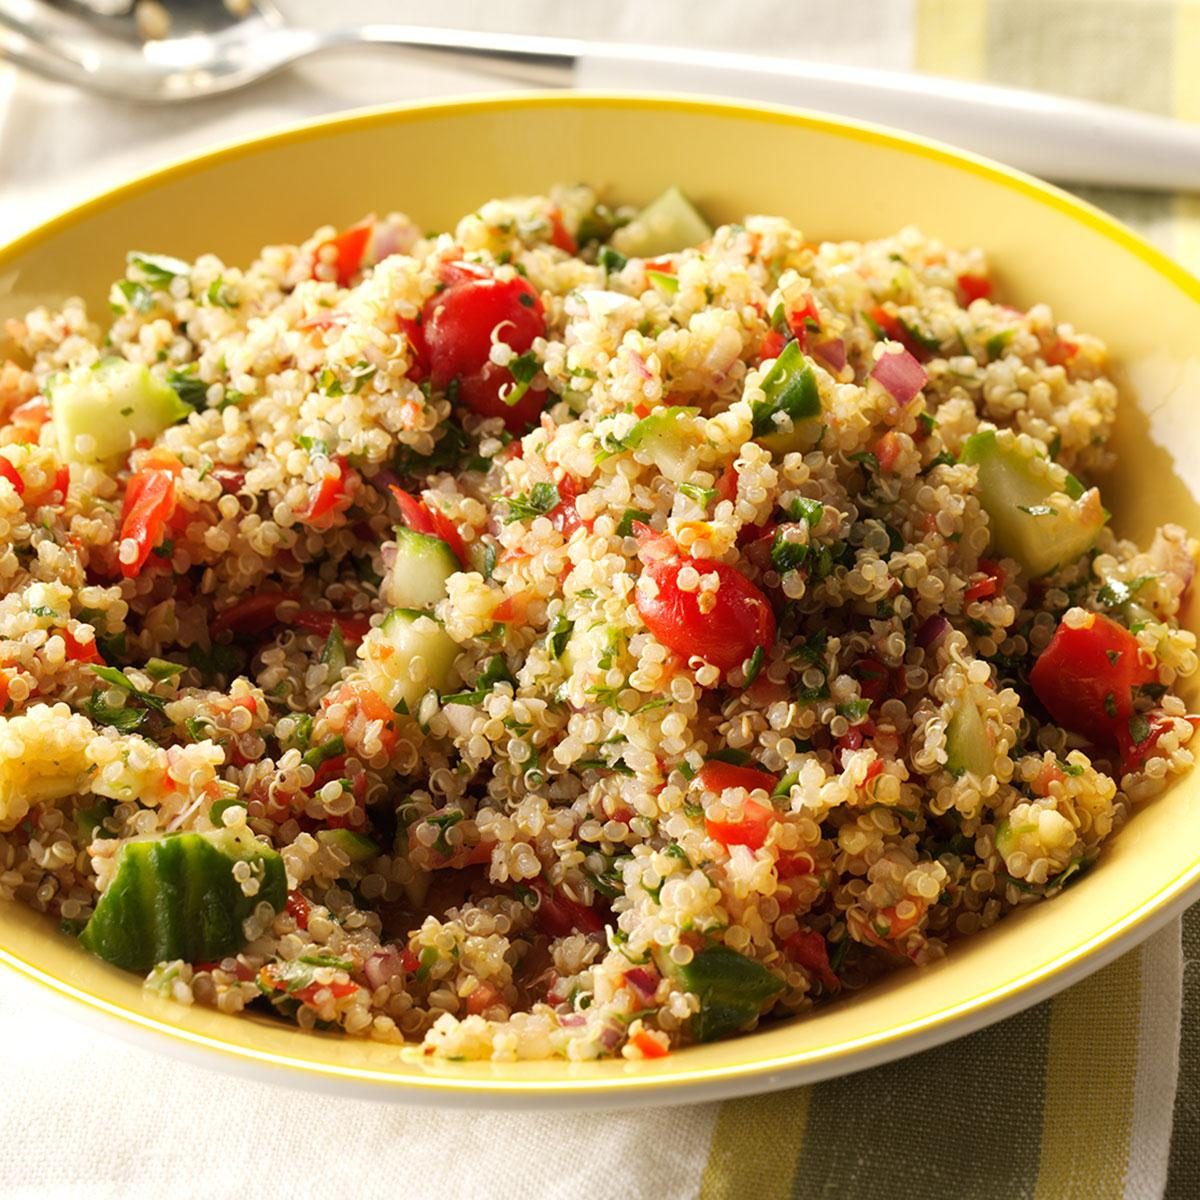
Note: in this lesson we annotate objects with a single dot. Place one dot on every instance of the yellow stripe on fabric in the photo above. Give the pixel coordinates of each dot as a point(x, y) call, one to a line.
point(1186, 47)
point(1091, 1067)
point(756, 1146)
point(951, 37)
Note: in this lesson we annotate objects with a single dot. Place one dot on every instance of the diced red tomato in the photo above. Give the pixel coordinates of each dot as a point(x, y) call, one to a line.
point(1047, 777)
point(353, 626)
point(350, 245)
point(33, 414)
point(727, 634)
point(298, 909)
point(511, 608)
point(9, 472)
point(872, 677)
point(424, 518)
point(372, 706)
point(990, 583)
point(891, 327)
point(484, 996)
point(330, 494)
point(727, 485)
point(1134, 754)
point(649, 1046)
point(564, 516)
point(887, 451)
point(339, 990)
point(801, 321)
point(149, 506)
point(974, 287)
point(252, 614)
point(772, 345)
point(559, 234)
point(807, 949)
point(62, 480)
point(414, 330)
point(559, 916)
point(716, 776)
point(82, 652)
point(789, 866)
point(1085, 677)
point(459, 324)
point(750, 831)
point(1061, 352)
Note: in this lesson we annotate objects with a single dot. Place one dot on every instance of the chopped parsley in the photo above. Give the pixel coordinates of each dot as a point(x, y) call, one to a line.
point(541, 499)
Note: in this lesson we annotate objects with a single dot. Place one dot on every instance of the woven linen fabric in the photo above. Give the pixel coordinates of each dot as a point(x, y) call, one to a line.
point(1093, 1094)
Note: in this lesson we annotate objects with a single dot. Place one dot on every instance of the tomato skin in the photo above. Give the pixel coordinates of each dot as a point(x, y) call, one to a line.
point(991, 583)
point(887, 451)
point(9, 472)
point(801, 320)
point(560, 236)
point(414, 331)
point(1085, 677)
point(890, 326)
point(349, 246)
point(149, 505)
point(458, 325)
point(716, 776)
point(558, 916)
point(974, 287)
point(424, 518)
point(298, 908)
point(807, 949)
point(728, 634)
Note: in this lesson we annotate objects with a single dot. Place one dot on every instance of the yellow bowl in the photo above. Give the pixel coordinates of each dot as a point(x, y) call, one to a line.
point(834, 179)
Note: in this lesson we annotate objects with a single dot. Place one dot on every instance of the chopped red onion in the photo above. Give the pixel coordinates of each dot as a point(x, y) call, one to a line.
point(643, 985)
point(900, 375)
point(932, 631)
point(832, 353)
point(572, 1020)
point(611, 1035)
point(383, 965)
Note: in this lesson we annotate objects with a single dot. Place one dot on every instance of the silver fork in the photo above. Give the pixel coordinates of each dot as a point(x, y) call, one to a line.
point(209, 49)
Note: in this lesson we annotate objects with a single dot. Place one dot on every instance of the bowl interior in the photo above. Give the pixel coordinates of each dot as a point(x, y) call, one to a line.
point(438, 161)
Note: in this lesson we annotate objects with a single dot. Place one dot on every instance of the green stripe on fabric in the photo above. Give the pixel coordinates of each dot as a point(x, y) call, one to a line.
point(1183, 1171)
point(1087, 1113)
point(956, 1123)
point(950, 37)
point(755, 1146)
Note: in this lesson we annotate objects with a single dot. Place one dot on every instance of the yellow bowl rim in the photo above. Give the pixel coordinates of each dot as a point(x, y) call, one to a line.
point(780, 1070)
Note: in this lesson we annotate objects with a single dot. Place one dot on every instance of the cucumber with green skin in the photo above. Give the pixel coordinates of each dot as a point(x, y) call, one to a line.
point(969, 743)
point(1037, 513)
point(667, 437)
point(666, 225)
point(114, 402)
point(403, 635)
point(418, 574)
point(790, 388)
point(176, 897)
point(356, 846)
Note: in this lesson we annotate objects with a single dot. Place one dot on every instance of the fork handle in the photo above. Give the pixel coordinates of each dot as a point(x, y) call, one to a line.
point(1074, 141)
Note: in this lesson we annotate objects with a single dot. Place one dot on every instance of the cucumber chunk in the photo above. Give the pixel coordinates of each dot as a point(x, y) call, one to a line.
point(664, 226)
point(403, 636)
point(356, 846)
point(669, 438)
point(790, 388)
point(1034, 516)
point(115, 403)
point(732, 989)
point(176, 897)
point(969, 744)
point(417, 576)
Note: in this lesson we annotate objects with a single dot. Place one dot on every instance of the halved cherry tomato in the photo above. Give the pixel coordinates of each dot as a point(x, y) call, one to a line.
point(149, 505)
point(807, 949)
point(727, 634)
point(559, 916)
point(1085, 677)
point(459, 324)
point(974, 287)
point(350, 245)
point(989, 585)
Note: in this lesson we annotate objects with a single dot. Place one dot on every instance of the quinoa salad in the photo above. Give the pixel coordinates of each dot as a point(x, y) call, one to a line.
point(581, 633)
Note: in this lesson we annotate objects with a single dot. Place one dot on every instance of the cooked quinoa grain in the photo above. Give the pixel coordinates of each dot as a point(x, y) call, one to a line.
point(549, 639)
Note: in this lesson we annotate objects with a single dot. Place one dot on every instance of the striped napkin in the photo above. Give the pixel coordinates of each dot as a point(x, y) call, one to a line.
point(1093, 1094)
